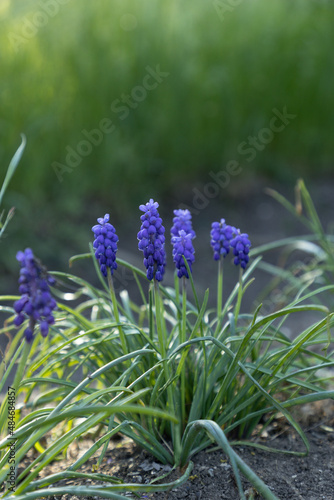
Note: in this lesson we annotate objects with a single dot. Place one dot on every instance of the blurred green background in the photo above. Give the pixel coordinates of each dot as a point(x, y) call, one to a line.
point(69, 65)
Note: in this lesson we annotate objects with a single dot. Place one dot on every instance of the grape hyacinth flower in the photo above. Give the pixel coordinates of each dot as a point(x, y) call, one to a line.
point(105, 244)
point(36, 301)
point(152, 241)
point(182, 245)
point(241, 244)
point(221, 236)
point(182, 220)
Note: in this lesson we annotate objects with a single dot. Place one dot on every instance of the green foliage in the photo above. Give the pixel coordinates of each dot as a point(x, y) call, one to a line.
point(10, 172)
point(305, 261)
point(226, 74)
point(169, 373)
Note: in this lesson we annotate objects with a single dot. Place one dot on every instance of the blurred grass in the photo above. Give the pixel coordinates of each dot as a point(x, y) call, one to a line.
point(225, 77)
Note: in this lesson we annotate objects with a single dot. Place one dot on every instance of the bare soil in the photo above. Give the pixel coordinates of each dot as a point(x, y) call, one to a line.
point(289, 477)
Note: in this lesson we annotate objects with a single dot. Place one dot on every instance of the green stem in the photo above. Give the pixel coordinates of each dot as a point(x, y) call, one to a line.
point(182, 340)
point(238, 304)
point(177, 292)
point(150, 313)
point(219, 295)
point(116, 313)
point(204, 377)
point(219, 289)
point(151, 319)
point(175, 428)
point(22, 364)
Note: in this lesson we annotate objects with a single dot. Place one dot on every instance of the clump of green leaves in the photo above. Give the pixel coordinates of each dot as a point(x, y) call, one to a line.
point(304, 261)
point(170, 373)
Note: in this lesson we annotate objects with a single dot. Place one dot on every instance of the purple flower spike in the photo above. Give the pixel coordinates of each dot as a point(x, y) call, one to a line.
point(36, 302)
point(151, 241)
point(182, 220)
point(182, 246)
point(221, 236)
point(241, 245)
point(105, 244)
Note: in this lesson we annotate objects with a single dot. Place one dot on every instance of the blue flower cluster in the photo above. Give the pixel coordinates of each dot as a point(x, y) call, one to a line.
point(37, 304)
point(224, 238)
point(221, 235)
point(152, 241)
point(183, 246)
point(105, 244)
point(182, 221)
point(182, 234)
point(241, 245)
point(36, 301)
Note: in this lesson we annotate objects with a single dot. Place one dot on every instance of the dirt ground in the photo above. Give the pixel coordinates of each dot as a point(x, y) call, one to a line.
point(289, 477)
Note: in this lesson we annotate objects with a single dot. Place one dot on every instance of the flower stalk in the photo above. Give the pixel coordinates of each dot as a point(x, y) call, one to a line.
point(116, 312)
point(176, 429)
point(239, 298)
